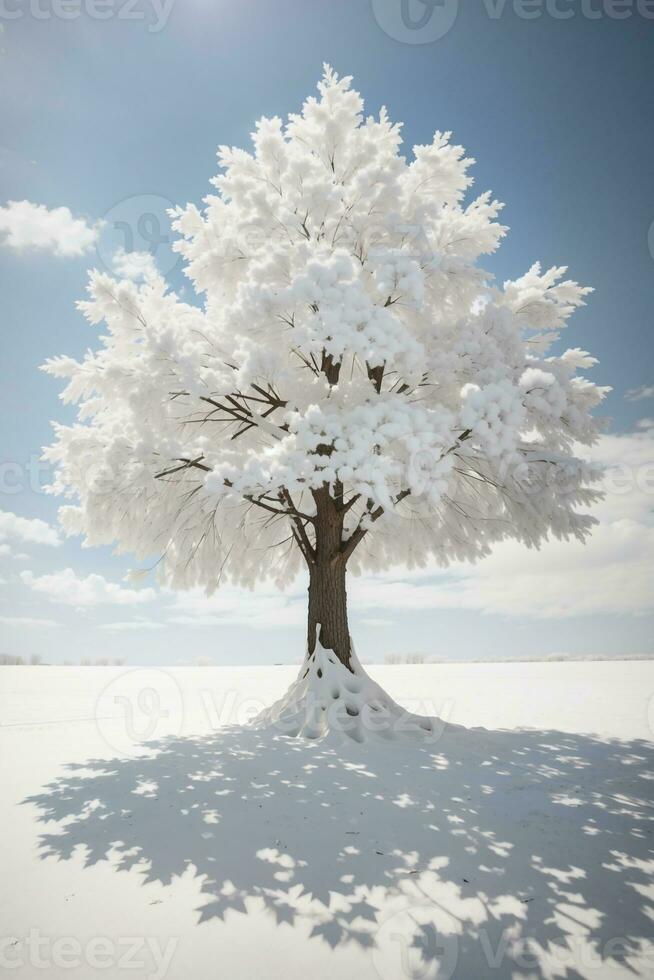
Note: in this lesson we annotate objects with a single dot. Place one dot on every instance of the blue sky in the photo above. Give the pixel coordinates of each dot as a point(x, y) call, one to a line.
point(114, 118)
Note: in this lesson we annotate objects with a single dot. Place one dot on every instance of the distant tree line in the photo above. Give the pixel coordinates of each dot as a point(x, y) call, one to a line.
point(405, 658)
point(35, 660)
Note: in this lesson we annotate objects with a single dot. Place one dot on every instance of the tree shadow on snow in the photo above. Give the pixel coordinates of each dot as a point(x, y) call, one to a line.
point(485, 851)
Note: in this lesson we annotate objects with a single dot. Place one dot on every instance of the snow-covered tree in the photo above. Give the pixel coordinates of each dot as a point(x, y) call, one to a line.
point(352, 391)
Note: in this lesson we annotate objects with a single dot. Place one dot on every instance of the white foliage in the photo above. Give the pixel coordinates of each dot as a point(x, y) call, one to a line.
point(346, 335)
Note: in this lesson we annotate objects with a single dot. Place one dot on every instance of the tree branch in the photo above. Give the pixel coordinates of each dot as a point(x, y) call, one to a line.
point(300, 530)
point(186, 465)
point(360, 532)
point(374, 514)
point(244, 415)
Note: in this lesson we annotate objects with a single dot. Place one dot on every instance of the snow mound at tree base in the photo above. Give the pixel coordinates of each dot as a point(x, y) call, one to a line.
point(327, 699)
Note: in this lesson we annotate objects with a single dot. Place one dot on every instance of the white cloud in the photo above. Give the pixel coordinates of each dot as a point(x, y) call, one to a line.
point(34, 226)
point(28, 622)
point(610, 574)
point(639, 394)
point(629, 477)
point(263, 608)
point(94, 590)
point(136, 624)
point(134, 265)
point(27, 529)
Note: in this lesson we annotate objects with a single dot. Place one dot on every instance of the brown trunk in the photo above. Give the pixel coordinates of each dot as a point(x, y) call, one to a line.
point(327, 594)
point(328, 607)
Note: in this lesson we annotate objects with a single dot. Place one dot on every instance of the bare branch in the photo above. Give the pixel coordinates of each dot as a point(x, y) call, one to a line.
point(373, 514)
point(360, 532)
point(186, 465)
point(300, 530)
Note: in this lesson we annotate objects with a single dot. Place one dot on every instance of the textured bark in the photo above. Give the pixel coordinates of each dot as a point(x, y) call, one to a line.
point(327, 593)
point(328, 607)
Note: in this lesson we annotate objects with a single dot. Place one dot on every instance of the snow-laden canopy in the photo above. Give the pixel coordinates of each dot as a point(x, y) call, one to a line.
point(347, 341)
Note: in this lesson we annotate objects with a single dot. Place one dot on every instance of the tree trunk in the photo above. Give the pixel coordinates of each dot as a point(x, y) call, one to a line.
point(324, 697)
point(328, 607)
point(327, 595)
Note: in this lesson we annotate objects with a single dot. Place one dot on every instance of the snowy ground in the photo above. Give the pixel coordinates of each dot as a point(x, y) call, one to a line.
point(519, 848)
